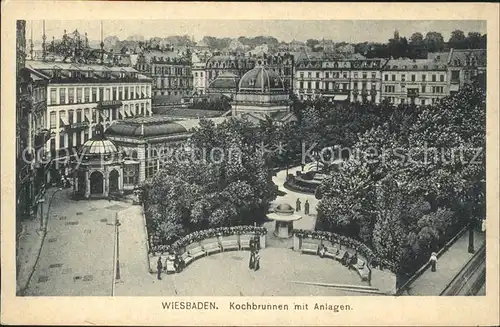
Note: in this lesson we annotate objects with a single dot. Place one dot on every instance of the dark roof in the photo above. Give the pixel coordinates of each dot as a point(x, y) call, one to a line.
point(141, 127)
point(186, 113)
point(225, 80)
point(467, 57)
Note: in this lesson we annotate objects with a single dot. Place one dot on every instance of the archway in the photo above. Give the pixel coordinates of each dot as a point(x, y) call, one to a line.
point(96, 183)
point(113, 181)
point(82, 182)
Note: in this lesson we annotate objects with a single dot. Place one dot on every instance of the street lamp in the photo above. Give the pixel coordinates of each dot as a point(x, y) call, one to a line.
point(41, 202)
point(117, 226)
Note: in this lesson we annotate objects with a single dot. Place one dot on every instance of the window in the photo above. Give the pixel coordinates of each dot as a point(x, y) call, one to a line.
point(301, 85)
point(422, 102)
point(120, 93)
point(53, 121)
point(114, 93)
point(53, 96)
point(196, 74)
point(413, 78)
point(365, 75)
point(403, 77)
point(142, 109)
point(433, 78)
point(441, 78)
point(78, 138)
point(455, 75)
point(62, 96)
point(94, 117)
point(327, 75)
point(126, 93)
point(309, 74)
point(87, 94)
point(374, 75)
point(79, 97)
point(108, 95)
point(101, 94)
point(136, 92)
point(424, 77)
point(71, 95)
point(393, 77)
point(136, 109)
point(70, 116)
point(61, 141)
point(143, 92)
point(79, 113)
point(345, 86)
point(403, 88)
point(423, 89)
point(317, 75)
point(317, 85)
point(309, 85)
point(201, 74)
point(355, 75)
point(344, 74)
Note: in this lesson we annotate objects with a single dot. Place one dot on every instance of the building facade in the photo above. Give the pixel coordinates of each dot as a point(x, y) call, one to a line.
point(198, 74)
point(81, 96)
point(365, 80)
point(418, 82)
point(235, 64)
point(170, 72)
point(464, 66)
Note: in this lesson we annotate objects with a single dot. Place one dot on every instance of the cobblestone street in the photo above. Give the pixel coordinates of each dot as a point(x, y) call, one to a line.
point(77, 254)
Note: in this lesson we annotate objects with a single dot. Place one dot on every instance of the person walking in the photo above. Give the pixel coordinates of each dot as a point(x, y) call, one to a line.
point(257, 260)
point(306, 207)
point(159, 268)
point(297, 205)
point(251, 263)
point(433, 261)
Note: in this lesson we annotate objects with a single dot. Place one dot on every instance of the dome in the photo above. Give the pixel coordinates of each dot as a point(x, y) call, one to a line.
point(261, 80)
point(284, 208)
point(98, 144)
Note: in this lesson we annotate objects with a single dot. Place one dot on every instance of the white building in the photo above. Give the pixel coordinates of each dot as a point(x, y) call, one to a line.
point(81, 96)
point(198, 72)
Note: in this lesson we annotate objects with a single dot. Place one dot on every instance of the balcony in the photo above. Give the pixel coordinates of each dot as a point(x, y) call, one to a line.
point(109, 104)
point(78, 126)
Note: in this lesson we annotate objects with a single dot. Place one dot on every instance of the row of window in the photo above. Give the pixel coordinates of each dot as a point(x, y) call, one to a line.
point(39, 94)
point(333, 85)
point(423, 89)
point(94, 94)
point(175, 93)
point(175, 71)
point(95, 116)
point(172, 83)
point(344, 75)
point(421, 102)
point(413, 77)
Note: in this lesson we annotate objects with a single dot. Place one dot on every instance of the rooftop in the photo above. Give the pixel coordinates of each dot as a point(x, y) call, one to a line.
point(185, 113)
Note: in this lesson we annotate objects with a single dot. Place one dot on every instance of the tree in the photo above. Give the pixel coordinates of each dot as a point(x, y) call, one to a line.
point(311, 43)
point(457, 40)
point(434, 42)
point(416, 38)
point(474, 40)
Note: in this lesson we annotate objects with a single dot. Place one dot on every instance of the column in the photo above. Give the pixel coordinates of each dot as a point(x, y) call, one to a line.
point(87, 181)
point(120, 180)
point(141, 157)
point(105, 182)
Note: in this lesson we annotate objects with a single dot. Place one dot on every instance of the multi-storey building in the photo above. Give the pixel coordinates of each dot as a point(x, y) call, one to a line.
point(170, 72)
point(419, 82)
point(464, 66)
point(281, 64)
point(81, 96)
point(235, 64)
point(198, 73)
point(365, 80)
point(322, 77)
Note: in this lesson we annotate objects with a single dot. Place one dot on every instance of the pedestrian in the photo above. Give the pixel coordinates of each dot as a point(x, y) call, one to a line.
point(256, 242)
point(306, 207)
point(159, 268)
point(257, 260)
point(297, 205)
point(433, 261)
point(251, 263)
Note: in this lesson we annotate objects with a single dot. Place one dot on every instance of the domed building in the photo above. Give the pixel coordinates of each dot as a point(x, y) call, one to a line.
point(261, 92)
point(226, 84)
point(99, 169)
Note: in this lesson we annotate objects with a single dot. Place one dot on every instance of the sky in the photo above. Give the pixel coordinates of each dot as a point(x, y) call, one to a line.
point(352, 31)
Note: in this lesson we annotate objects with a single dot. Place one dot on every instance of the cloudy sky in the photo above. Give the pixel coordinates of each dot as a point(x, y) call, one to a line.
point(285, 30)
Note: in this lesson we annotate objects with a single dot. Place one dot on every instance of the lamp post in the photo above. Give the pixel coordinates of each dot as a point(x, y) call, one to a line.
point(117, 226)
point(41, 202)
point(470, 248)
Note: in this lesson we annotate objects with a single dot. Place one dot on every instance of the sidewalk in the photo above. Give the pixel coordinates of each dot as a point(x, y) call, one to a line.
point(448, 266)
point(29, 244)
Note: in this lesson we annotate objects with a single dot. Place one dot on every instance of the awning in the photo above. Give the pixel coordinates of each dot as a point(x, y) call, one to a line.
point(130, 162)
point(64, 119)
point(340, 97)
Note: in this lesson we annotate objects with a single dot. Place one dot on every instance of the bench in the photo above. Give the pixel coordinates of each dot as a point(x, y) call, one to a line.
point(309, 248)
point(362, 269)
point(169, 266)
point(331, 251)
point(245, 242)
point(196, 252)
point(212, 247)
point(186, 258)
point(229, 243)
point(341, 255)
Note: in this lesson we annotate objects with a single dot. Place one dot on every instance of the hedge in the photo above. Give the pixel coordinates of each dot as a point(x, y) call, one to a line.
point(363, 249)
point(204, 234)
